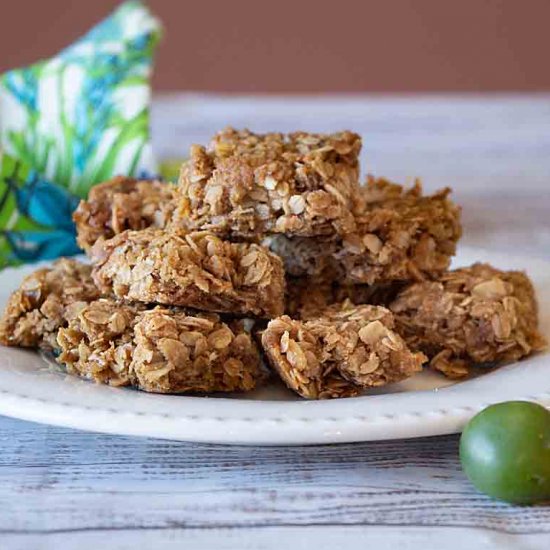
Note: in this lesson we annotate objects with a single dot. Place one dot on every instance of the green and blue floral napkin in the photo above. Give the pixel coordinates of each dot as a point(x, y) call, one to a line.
point(69, 122)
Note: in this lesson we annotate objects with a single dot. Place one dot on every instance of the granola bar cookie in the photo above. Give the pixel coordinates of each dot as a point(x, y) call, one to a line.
point(474, 315)
point(247, 184)
point(119, 204)
point(161, 350)
point(196, 270)
point(339, 353)
point(98, 343)
point(400, 235)
point(44, 302)
point(178, 352)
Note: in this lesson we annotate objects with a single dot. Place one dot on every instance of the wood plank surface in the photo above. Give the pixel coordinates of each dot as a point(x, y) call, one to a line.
point(55, 480)
point(296, 538)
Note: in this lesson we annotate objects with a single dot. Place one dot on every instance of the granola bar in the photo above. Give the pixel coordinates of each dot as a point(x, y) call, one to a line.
point(177, 352)
point(246, 184)
point(473, 315)
point(196, 270)
point(44, 302)
point(346, 349)
point(161, 350)
point(98, 343)
point(400, 235)
point(119, 204)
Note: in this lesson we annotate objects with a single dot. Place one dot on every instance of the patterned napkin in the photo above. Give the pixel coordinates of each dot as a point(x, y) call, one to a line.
point(69, 122)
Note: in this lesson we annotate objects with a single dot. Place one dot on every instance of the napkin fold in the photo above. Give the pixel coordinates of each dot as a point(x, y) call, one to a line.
point(69, 122)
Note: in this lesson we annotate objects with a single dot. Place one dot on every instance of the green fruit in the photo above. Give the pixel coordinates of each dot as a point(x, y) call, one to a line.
point(505, 452)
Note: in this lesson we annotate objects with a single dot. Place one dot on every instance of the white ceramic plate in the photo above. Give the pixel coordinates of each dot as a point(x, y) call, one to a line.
point(31, 388)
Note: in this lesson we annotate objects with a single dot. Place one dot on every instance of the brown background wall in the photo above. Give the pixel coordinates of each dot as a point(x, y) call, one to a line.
point(314, 46)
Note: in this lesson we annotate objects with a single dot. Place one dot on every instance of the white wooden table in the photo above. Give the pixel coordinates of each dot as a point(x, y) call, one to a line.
point(67, 489)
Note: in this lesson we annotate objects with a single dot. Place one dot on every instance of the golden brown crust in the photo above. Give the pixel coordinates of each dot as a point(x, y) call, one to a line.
point(161, 350)
point(470, 316)
point(246, 184)
point(178, 352)
point(119, 204)
point(337, 354)
point(44, 302)
point(98, 343)
point(400, 235)
point(197, 270)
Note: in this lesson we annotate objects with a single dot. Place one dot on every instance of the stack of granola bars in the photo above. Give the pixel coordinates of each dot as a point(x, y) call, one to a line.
point(269, 247)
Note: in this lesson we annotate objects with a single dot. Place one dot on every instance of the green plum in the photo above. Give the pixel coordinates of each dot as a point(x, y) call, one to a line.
point(505, 452)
